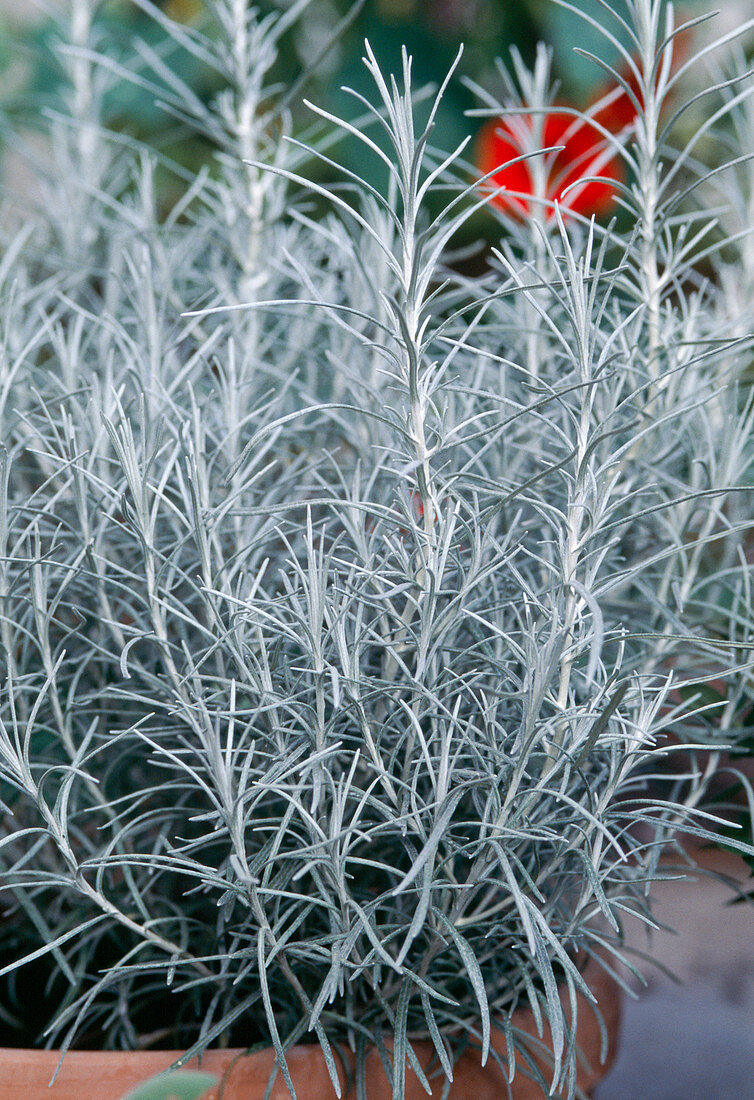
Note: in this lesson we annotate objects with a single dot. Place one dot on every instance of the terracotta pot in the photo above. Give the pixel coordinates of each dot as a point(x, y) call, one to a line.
point(107, 1075)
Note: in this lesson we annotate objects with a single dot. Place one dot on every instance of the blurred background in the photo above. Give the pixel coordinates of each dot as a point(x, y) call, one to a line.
point(328, 40)
point(432, 31)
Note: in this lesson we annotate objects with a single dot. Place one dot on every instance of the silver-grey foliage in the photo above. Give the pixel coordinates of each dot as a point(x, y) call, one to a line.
point(346, 601)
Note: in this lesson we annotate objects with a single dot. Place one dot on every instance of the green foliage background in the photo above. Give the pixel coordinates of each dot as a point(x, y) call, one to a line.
point(430, 29)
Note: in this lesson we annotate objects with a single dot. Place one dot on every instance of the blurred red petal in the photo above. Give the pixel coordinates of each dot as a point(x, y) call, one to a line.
point(585, 154)
point(585, 149)
point(496, 145)
point(619, 111)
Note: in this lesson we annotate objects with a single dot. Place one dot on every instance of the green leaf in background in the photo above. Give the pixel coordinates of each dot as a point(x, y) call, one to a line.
point(180, 1085)
point(701, 695)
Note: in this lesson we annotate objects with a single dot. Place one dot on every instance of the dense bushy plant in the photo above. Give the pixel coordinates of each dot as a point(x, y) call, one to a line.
point(347, 599)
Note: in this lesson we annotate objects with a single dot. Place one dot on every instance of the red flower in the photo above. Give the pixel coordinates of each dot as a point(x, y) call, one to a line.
point(586, 152)
point(586, 149)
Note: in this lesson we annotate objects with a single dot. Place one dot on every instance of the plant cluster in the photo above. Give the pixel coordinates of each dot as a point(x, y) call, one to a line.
point(348, 600)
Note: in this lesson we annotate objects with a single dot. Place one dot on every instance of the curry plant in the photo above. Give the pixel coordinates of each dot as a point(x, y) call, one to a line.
point(350, 601)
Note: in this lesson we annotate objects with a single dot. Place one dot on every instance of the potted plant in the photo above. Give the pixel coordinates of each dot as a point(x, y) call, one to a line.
point(344, 593)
